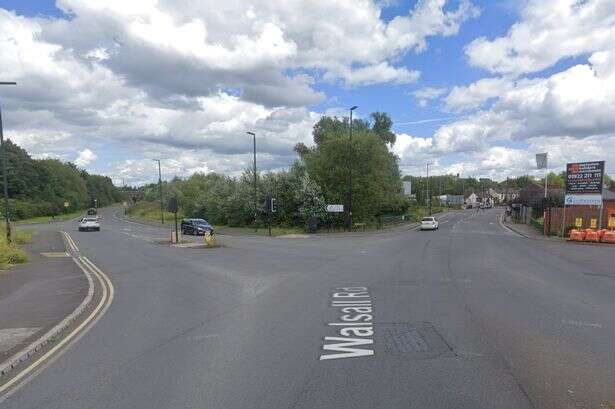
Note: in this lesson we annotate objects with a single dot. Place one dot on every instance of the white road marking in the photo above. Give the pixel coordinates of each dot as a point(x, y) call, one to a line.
point(581, 323)
point(356, 320)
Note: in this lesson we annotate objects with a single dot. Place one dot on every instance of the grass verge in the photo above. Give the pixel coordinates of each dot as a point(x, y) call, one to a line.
point(151, 212)
point(49, 219)
point(12, 254)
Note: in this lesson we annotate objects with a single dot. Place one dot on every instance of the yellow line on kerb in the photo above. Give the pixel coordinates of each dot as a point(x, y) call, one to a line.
point(105, 301)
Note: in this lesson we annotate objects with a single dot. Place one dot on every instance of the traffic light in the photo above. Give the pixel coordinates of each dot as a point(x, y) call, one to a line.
point(273, 205)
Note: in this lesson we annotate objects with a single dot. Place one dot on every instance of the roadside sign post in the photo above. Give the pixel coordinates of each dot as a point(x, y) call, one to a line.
point(270, 207)
point(583, 187)
point(173, 205)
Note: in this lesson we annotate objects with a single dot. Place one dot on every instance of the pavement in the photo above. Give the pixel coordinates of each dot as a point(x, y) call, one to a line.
point(469, 316)
point(36, 296)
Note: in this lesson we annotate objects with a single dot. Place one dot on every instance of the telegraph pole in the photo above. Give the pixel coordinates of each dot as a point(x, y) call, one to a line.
point(5, 175)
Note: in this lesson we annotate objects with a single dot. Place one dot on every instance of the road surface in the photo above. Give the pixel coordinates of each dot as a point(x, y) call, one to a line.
point(469, 316)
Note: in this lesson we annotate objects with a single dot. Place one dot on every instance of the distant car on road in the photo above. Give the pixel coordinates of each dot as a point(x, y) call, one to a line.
point(429, 223)
point(89, 224)
point(197, 227)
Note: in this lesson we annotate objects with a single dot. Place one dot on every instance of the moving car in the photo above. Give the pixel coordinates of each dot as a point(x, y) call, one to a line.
point(429, 223)
point(89, 224)
point(196, 226)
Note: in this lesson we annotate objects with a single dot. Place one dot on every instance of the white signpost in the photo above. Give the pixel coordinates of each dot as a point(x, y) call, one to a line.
point(335, 208)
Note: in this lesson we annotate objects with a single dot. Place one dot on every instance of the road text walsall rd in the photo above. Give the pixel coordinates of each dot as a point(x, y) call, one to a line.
point(355, 325)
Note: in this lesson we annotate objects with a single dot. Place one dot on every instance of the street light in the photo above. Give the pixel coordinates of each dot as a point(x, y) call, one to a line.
point(4, 174)
point(160, 189)
point(255, 185)
point(428, 195)
point(350, 171)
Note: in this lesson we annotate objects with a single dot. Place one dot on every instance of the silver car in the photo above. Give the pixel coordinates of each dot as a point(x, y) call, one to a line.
point(89, 224)
point(429, 223)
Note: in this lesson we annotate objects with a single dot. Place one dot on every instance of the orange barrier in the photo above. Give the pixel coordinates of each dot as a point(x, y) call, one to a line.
point(592, 236)
point(601, 233)
point(609, 236)
point(577, 235)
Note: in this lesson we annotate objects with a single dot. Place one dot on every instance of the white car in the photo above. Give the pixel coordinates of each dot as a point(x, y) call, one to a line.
point(89, 223)
point(429, 223)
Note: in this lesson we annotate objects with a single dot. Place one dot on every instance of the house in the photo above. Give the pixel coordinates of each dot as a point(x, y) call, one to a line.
point(497, 197)
point(533, 194)
point(472, 199)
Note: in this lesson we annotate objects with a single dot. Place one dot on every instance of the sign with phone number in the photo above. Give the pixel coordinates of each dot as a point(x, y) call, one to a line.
point(584, 177)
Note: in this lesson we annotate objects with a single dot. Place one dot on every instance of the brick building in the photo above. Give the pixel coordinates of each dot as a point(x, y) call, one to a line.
point(588, 216)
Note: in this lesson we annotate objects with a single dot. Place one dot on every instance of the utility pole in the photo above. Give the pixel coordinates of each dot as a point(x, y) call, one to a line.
point(428, 194)
point(5, 175)
point(350, 171)
point(160, 188)
point(255, 180)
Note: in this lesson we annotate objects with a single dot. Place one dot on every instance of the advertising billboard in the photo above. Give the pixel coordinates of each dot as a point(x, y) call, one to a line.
point(584, 178)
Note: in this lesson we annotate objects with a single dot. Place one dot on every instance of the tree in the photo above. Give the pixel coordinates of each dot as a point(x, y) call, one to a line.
point(376, 177)
point(382, 124)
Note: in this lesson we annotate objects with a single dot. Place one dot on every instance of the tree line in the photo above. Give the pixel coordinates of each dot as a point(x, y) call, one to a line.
point(319, 177)
point(42, 187)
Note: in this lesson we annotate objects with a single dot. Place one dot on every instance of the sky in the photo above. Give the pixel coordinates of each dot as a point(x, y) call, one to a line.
point(475, 87)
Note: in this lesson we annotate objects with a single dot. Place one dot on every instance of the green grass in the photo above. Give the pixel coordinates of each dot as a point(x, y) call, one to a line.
point(47, 219)
point(262, 231)
point(151, 212)
point(12, 254)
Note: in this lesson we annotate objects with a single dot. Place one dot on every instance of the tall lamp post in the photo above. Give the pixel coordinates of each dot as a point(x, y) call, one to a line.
point(350, 171)
point(4, 174)
point(255, 181)
point(428, 193)
point(160, 189)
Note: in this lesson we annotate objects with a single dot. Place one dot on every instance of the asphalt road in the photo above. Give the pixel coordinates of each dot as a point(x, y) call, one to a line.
point(469, 316)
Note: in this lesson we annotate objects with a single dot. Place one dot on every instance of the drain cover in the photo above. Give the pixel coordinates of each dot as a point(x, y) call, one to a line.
point(412, 340)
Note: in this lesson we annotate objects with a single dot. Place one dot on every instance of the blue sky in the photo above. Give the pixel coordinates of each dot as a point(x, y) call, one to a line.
point(485, 101)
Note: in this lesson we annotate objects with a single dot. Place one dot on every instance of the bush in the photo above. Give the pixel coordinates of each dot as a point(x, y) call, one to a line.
point(11, 254)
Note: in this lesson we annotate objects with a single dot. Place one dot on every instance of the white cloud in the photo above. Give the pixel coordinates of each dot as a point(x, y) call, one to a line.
point(548, 32)
point(179, 78)
point(85, 157)
point(424, 95)
point(374, 74)
point(473, 96)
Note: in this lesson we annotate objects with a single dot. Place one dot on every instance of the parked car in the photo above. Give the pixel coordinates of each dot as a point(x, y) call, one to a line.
point(197, 227)
point(429, 223)
point(89, 224)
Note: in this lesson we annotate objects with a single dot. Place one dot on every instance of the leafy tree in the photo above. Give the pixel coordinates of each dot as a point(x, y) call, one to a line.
point(376, 177)
point(382, 124)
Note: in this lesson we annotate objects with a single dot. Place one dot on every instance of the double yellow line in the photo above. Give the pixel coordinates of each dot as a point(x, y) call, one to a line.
point(108, 293)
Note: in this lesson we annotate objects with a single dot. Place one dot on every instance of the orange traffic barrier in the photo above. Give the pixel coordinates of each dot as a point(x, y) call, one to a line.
point(577, 235)
point(601, 233)
point(592, 235)
point(609, 236)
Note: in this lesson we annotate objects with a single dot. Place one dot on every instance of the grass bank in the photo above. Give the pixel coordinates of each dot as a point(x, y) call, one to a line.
point(149, 211)
point(13, 254)
point(49, 219)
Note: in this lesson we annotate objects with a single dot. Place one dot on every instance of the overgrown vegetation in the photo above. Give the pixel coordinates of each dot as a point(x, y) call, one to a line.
point(43, 187)
point(12, 254)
